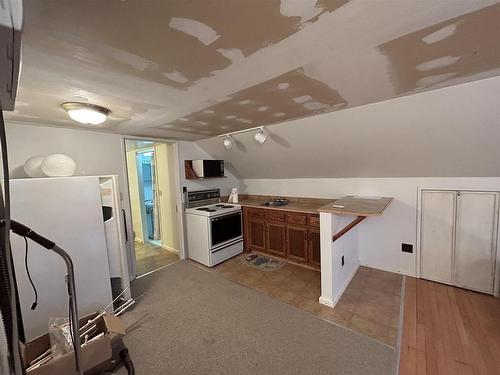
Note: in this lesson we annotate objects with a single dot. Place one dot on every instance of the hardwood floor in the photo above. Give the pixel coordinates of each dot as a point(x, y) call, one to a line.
point(150, 257)
point(448, 330)
point(370, 304)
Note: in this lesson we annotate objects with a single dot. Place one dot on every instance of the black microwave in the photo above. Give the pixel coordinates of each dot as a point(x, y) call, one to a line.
point(208, 168)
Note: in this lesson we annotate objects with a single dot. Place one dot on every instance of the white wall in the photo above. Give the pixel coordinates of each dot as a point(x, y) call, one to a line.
point(95, 153)
point(379, 238)
point(334, 276)
point(191, 151)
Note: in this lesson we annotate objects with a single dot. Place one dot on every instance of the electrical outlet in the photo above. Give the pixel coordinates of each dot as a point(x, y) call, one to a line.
point(343, 261)
point(407, 248)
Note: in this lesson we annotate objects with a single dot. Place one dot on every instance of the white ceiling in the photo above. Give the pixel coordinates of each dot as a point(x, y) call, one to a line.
point(450, 132)
point(195, 69)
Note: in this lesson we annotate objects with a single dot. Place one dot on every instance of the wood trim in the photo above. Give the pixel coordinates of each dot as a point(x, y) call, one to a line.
point(348, 227)
point(189, 172)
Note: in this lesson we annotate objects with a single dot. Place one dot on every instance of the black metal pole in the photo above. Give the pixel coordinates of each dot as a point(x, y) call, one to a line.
point(25, 231)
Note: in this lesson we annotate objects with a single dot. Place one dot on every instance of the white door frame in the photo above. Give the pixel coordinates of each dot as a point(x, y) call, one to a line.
point(140, 177)
point(420, 190)
point(178, 197)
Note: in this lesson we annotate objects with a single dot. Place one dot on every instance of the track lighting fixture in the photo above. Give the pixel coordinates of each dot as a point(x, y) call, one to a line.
point(228, 142)
point(259, 137)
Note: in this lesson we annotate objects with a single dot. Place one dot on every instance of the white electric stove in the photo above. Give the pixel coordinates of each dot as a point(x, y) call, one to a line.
point(211, 210)
point(214, 229)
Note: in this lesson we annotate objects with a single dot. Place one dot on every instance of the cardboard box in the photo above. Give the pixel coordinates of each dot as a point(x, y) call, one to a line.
point(96, 355)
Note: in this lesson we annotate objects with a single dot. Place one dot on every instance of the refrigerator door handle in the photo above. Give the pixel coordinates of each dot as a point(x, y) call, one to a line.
point(125, 224)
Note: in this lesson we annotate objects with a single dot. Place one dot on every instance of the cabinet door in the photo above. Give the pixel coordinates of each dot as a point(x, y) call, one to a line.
point(475, 240)
point(276, 242)
point(437, 235)
point(256, 234)
point(297, 243)
point(314, 247)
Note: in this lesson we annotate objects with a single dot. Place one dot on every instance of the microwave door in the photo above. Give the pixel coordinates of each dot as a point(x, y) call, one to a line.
point(226, 228)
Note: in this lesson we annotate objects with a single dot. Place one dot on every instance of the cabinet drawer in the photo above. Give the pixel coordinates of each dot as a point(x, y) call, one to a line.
point(278, 216)
point(314, 221)
point(296, 219)
point(256, 212)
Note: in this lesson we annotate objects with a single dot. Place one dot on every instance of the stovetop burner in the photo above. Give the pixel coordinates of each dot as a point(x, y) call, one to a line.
point(207, 209)
point(224, 205)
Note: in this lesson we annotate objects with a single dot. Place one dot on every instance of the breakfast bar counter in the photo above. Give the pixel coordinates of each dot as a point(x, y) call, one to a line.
point(339, 241)
point(296, 204)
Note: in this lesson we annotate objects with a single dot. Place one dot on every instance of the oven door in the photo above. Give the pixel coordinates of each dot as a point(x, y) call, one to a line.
point(225, 229)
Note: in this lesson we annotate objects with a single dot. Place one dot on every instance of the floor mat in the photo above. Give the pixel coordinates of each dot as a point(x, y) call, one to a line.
point(262, 262)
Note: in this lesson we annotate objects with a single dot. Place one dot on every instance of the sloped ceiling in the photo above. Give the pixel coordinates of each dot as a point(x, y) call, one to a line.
point(195, 69)
point(449, 132)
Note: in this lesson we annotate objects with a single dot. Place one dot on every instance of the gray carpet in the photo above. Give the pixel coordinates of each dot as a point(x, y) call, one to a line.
point(192, 321)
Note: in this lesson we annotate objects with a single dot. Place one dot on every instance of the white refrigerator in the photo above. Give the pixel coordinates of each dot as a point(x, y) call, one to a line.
point(68, 211)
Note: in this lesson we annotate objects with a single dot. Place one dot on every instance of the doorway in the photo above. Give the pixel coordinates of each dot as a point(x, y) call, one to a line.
point(153, 203)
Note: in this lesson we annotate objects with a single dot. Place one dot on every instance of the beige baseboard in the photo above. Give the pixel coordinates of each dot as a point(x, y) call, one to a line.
point(171, 249)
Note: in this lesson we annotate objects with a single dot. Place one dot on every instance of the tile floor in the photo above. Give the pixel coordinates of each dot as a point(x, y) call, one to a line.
point(150, 257)
point(369, 305)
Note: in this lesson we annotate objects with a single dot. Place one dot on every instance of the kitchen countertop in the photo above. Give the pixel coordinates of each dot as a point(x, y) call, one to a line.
point(296, 204)
point(359, 206)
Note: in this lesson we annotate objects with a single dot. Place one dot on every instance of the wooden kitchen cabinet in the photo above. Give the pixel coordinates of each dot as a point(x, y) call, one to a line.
point(276, 238)
point(297, 242)
point(287, 234)
point(256, 234)
point(314, 247)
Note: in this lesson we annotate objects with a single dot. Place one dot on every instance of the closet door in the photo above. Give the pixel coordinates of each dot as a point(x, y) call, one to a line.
point(475, 240)
point(437, 235)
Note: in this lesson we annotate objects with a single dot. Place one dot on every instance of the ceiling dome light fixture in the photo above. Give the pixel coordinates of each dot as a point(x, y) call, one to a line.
point(228, 142)
point(260, 136)
point(86, 113)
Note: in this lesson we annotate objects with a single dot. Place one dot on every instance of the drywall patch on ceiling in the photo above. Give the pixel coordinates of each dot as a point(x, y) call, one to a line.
point(246, 102)
point(432, 80)
point(176, 76)
point(204, 33)
point(233, 54)
point(135, 61)
point(440, 34)
point(59, 64)
point(208, 111)
point(302, 99)
point(251, 105)
point(468, 45)
point(437, 63)
point(314, 106)
point(305, 9)
point(283, 85)
point(244, 120)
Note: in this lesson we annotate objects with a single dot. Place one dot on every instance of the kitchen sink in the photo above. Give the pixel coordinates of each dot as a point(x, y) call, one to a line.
point(276, 202)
